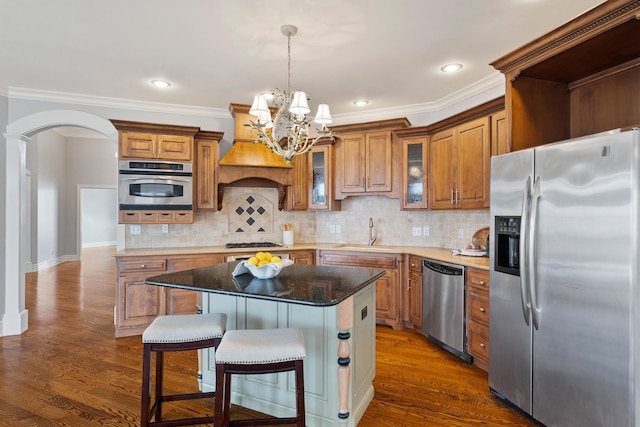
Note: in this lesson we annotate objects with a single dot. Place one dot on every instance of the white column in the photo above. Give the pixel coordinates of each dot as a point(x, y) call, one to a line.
point(15, 320)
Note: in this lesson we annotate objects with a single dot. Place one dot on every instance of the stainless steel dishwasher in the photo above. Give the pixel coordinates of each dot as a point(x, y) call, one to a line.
point(443, 319)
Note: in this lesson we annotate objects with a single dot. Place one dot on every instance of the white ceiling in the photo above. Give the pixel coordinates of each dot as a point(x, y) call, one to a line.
point(220, 51)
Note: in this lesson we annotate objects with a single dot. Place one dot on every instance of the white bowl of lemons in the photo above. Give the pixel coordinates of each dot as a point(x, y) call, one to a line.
point(266, 266)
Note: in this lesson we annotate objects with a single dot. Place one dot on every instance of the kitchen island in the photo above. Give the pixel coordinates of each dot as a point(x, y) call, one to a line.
point(335, 308)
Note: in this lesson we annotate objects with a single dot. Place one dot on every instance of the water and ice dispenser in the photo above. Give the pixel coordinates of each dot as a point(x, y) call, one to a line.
point(507, 244)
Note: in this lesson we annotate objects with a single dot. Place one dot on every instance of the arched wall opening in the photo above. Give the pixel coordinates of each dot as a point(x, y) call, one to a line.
point(18, 134)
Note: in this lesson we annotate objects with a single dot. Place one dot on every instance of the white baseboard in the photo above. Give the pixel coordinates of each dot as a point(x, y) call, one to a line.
point(15, 324)
point(54, 261)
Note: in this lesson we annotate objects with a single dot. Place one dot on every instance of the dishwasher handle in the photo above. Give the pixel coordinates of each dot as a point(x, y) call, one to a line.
point(445, 269)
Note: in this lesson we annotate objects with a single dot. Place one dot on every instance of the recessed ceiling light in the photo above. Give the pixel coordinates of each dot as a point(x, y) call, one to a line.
point(160, 83)
point(451, 68)
point(360, 102)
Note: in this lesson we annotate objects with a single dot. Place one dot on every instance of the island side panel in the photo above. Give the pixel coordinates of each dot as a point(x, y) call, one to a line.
point(275, 394)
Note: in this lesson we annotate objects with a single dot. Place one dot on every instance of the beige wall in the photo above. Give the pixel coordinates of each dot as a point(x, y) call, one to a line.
point(393, 226)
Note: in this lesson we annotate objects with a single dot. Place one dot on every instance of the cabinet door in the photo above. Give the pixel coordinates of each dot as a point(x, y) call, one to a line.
point(415, 299)
point(441, 170)
point(205, 166)
point(303, 257)
point(414, 176)
point(352, 168)
point(321, 193)
point(137, 145)
point(386, 297)
point(138, 303)
point(499, 136)
point(175, 147)
point(472, 164)
point(298, 193)
point(378, 161)
point(182, 301)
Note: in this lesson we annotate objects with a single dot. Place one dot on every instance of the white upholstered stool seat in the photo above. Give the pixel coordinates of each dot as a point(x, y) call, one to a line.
point(185, 328)
point(176, 333)
point(259, 351)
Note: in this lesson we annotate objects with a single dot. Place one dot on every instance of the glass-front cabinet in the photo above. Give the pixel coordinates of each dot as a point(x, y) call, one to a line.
point(414, 174)
point(321, 180)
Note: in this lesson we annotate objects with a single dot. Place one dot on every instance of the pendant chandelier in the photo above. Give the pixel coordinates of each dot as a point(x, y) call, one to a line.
point(287, 133)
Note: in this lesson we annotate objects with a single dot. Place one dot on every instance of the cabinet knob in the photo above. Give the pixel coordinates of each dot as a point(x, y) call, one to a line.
point(143, 265)
point(482, 283)
point(481, 345)
point(482, 309)
point(413, 265)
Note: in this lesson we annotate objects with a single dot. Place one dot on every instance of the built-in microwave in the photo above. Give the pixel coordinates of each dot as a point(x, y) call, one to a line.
point(155, 185)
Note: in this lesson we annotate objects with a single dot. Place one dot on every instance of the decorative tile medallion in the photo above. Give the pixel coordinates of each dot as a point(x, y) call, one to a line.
point(250, 213)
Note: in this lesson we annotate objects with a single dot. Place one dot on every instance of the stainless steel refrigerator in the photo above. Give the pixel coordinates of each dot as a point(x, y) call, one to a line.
point(564, 316)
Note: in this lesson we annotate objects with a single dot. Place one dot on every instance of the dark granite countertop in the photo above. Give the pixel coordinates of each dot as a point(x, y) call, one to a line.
point(299, 284)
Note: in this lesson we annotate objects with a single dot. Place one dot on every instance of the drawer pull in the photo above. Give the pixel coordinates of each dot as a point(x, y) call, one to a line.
point(482, 283)
point(143, 265)
point(413, 265)
point(481, 345)
point(482, 309)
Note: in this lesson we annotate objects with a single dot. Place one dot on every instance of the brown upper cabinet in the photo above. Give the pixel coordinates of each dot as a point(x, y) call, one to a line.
point(576, 80)
point(150, 141)
point(459, 166)
point(298, 193)
point(415, 180)
point(499, 137)
point(205, 169)
point(367, 159)
point(321, 178)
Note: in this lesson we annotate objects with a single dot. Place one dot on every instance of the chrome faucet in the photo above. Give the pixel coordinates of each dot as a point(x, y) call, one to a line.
point(372, 233)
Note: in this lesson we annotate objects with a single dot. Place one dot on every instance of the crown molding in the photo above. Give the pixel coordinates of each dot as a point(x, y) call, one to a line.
point(118, 103)
point(492, 81)
point(4, 92)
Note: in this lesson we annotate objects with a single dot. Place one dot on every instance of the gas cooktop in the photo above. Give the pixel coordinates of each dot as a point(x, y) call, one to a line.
point(252, 245)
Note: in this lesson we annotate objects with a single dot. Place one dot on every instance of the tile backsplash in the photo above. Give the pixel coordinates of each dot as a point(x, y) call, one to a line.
point(251, 214)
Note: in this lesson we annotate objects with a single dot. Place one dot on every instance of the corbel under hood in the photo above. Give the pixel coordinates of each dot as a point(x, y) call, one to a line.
point(248, 164)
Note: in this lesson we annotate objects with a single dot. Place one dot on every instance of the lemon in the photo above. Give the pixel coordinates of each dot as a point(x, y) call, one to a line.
point(276, 259)
point(263, 256)
point(263, 262)
point(253, 260)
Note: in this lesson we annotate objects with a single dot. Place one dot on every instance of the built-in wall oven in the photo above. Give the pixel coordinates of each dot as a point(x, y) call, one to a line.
point(155, 185)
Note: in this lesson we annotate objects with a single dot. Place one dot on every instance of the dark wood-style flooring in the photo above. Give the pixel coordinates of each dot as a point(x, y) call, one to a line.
point(67, 369)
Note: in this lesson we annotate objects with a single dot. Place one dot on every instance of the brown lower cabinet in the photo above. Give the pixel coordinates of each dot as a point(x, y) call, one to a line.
point(478, 316)
point(137, 303)
point(388, 295)
point(413, 293)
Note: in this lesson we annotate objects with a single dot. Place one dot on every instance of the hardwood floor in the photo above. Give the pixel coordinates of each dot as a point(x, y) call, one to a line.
point(69, 370)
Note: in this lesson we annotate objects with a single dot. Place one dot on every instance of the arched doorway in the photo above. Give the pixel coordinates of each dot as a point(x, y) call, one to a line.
point(15, 318)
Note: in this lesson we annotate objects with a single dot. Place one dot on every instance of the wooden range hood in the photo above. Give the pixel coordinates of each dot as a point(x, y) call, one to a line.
point(248, 164)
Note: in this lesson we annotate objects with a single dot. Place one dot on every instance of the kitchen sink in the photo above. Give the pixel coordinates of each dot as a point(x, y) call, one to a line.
point(367, 248)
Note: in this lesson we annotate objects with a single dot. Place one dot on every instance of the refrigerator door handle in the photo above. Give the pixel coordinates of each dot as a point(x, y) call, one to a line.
point(531, 253)
point(524, 227)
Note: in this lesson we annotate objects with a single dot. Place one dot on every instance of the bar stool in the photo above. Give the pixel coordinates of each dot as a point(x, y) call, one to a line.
point(258, 351)
point(175, 333)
